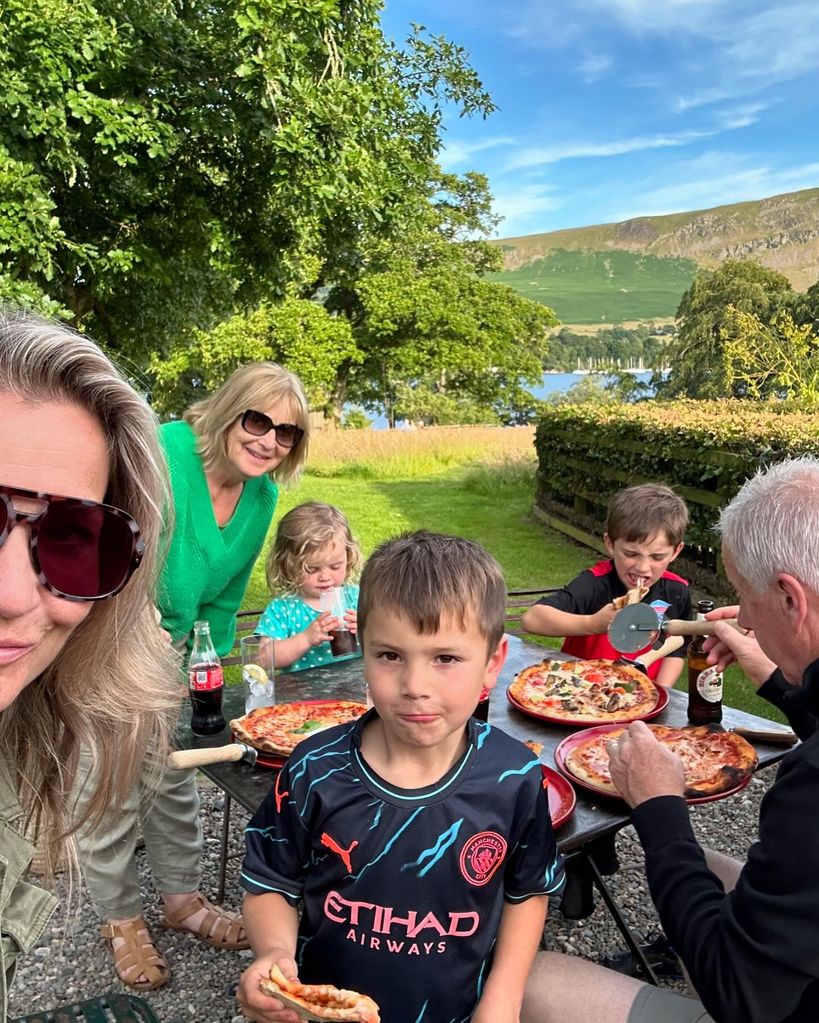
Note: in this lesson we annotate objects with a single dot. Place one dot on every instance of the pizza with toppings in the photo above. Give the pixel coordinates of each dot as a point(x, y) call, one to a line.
point(714, 761)
point(279, 729)
point(320, 1001)
point(584, 692)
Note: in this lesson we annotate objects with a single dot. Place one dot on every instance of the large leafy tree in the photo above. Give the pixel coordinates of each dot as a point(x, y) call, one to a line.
point(295, 331)
point(780, 359)
point(418, 332)
point(696, 354)
point(163, 163)
point(426, 320)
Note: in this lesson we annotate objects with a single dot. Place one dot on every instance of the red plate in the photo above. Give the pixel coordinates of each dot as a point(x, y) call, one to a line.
point(561, 796)
point(565, 747)
point(264, 758)
point(662, 702)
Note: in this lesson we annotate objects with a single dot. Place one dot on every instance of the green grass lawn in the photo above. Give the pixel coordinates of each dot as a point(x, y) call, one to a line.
point(442, 487)
point(496, 516)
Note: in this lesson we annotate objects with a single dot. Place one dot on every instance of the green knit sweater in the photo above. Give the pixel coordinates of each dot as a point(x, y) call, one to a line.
point(207, 568)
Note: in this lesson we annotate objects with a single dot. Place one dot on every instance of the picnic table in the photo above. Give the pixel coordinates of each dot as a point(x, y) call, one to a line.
point(594, 816)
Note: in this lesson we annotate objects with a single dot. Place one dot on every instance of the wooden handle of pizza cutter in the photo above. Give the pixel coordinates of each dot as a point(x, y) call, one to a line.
point(211, 755)
point(774, 736)
point(650, 656)
point(680, 627)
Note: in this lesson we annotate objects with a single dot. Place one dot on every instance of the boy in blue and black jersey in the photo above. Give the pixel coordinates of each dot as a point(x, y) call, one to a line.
point(416, 840)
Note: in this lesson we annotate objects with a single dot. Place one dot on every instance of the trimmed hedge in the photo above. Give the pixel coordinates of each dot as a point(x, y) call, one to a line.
point(704, 449)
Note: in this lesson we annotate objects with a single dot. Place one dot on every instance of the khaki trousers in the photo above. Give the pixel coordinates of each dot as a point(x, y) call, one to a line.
point(169, 815)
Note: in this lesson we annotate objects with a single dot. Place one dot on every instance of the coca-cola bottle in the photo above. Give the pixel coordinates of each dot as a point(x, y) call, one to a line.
point(206, 683)
point(704, 680)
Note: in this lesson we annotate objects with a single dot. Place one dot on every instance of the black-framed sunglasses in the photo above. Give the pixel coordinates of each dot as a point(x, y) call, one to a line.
point(257, 423)
point(80, 550)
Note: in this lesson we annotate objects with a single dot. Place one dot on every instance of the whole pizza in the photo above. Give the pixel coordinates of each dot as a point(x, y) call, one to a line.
point(714, 761)
point(279, 729)
point(584, 692)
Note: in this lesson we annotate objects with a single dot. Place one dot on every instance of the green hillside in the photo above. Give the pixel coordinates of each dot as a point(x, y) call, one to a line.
point(638, 269)
point(603, 287)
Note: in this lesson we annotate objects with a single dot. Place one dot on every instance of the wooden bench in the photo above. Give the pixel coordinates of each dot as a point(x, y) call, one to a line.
point(516, 603)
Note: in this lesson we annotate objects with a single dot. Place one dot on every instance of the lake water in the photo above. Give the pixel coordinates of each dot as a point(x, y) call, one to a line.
point(551, 384)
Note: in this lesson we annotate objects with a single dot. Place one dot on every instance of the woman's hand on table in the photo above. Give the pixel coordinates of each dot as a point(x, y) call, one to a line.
point(728, 646)
point(642, 768)
point(255, 1004)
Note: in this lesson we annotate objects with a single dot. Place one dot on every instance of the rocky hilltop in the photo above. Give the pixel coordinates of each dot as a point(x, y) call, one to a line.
point(781, 232)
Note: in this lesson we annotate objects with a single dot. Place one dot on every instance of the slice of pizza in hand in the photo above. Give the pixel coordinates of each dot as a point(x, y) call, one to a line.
point(320, 1001)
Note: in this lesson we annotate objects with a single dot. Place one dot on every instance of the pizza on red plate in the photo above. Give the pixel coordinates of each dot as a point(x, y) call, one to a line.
point(279, 729)
point(713, 761)
point(595, 691)
point(320, 1001)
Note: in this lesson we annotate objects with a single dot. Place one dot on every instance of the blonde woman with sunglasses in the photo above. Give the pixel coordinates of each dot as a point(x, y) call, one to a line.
point(82, 661)
point(226, 457)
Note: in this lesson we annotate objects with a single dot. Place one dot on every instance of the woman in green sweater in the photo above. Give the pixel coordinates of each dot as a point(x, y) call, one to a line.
point(226, 457)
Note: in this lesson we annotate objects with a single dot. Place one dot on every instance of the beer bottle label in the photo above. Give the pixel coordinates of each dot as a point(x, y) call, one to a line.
point(709, 685)
point(204, 678)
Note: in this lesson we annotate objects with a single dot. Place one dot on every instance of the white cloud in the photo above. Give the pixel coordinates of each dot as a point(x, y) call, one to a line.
point(594, 66)
point(521, 205)
point(535, 156)
point(742, 116)
point(713, 180)
point(457, 151)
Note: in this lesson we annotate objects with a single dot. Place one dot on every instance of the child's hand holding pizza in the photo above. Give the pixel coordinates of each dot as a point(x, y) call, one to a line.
point(643, 768)
point(257, 1004)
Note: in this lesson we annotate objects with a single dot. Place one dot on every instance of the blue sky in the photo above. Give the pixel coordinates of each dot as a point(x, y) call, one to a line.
point(611, 109)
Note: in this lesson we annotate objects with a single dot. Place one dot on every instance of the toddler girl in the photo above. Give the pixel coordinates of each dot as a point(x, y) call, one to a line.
point(313, 552)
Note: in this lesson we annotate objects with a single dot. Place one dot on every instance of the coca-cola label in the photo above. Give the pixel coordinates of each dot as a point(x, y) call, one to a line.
point(205, 677)
point(709, 685)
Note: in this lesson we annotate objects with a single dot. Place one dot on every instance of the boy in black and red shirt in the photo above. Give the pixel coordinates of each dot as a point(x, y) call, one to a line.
point(644, 534)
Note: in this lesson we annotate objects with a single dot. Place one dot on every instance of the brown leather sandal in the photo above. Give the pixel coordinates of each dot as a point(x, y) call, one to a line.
point(218, 927)
point(138, 956)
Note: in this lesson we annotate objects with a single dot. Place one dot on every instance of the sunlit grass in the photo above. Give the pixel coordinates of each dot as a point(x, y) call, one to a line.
point(413, 454)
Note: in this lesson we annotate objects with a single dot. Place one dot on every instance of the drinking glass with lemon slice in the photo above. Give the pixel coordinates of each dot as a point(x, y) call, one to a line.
point(258, 671)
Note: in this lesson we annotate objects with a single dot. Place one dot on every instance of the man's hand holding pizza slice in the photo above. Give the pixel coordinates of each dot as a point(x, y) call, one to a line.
point(643, 768)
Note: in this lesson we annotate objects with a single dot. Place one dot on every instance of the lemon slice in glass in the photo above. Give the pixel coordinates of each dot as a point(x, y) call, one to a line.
point(254, 673)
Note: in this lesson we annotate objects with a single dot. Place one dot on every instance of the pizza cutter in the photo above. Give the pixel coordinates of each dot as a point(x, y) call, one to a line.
point(234, 751)
point(637, 626)
point(645, 661)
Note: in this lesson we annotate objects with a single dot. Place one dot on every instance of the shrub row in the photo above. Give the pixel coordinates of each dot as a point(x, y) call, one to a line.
point(704, 449)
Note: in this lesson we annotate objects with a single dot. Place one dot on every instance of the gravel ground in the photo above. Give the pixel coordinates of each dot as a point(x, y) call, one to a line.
point(72, 963)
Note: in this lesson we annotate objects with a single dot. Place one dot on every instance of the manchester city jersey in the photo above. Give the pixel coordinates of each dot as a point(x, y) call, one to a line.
point(402, 890)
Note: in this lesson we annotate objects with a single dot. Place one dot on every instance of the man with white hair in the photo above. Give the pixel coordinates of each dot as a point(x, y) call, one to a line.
point(748, 934)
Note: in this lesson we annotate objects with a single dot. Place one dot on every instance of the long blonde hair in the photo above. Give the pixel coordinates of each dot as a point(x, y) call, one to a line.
point(110, 688)
point(256, 385)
